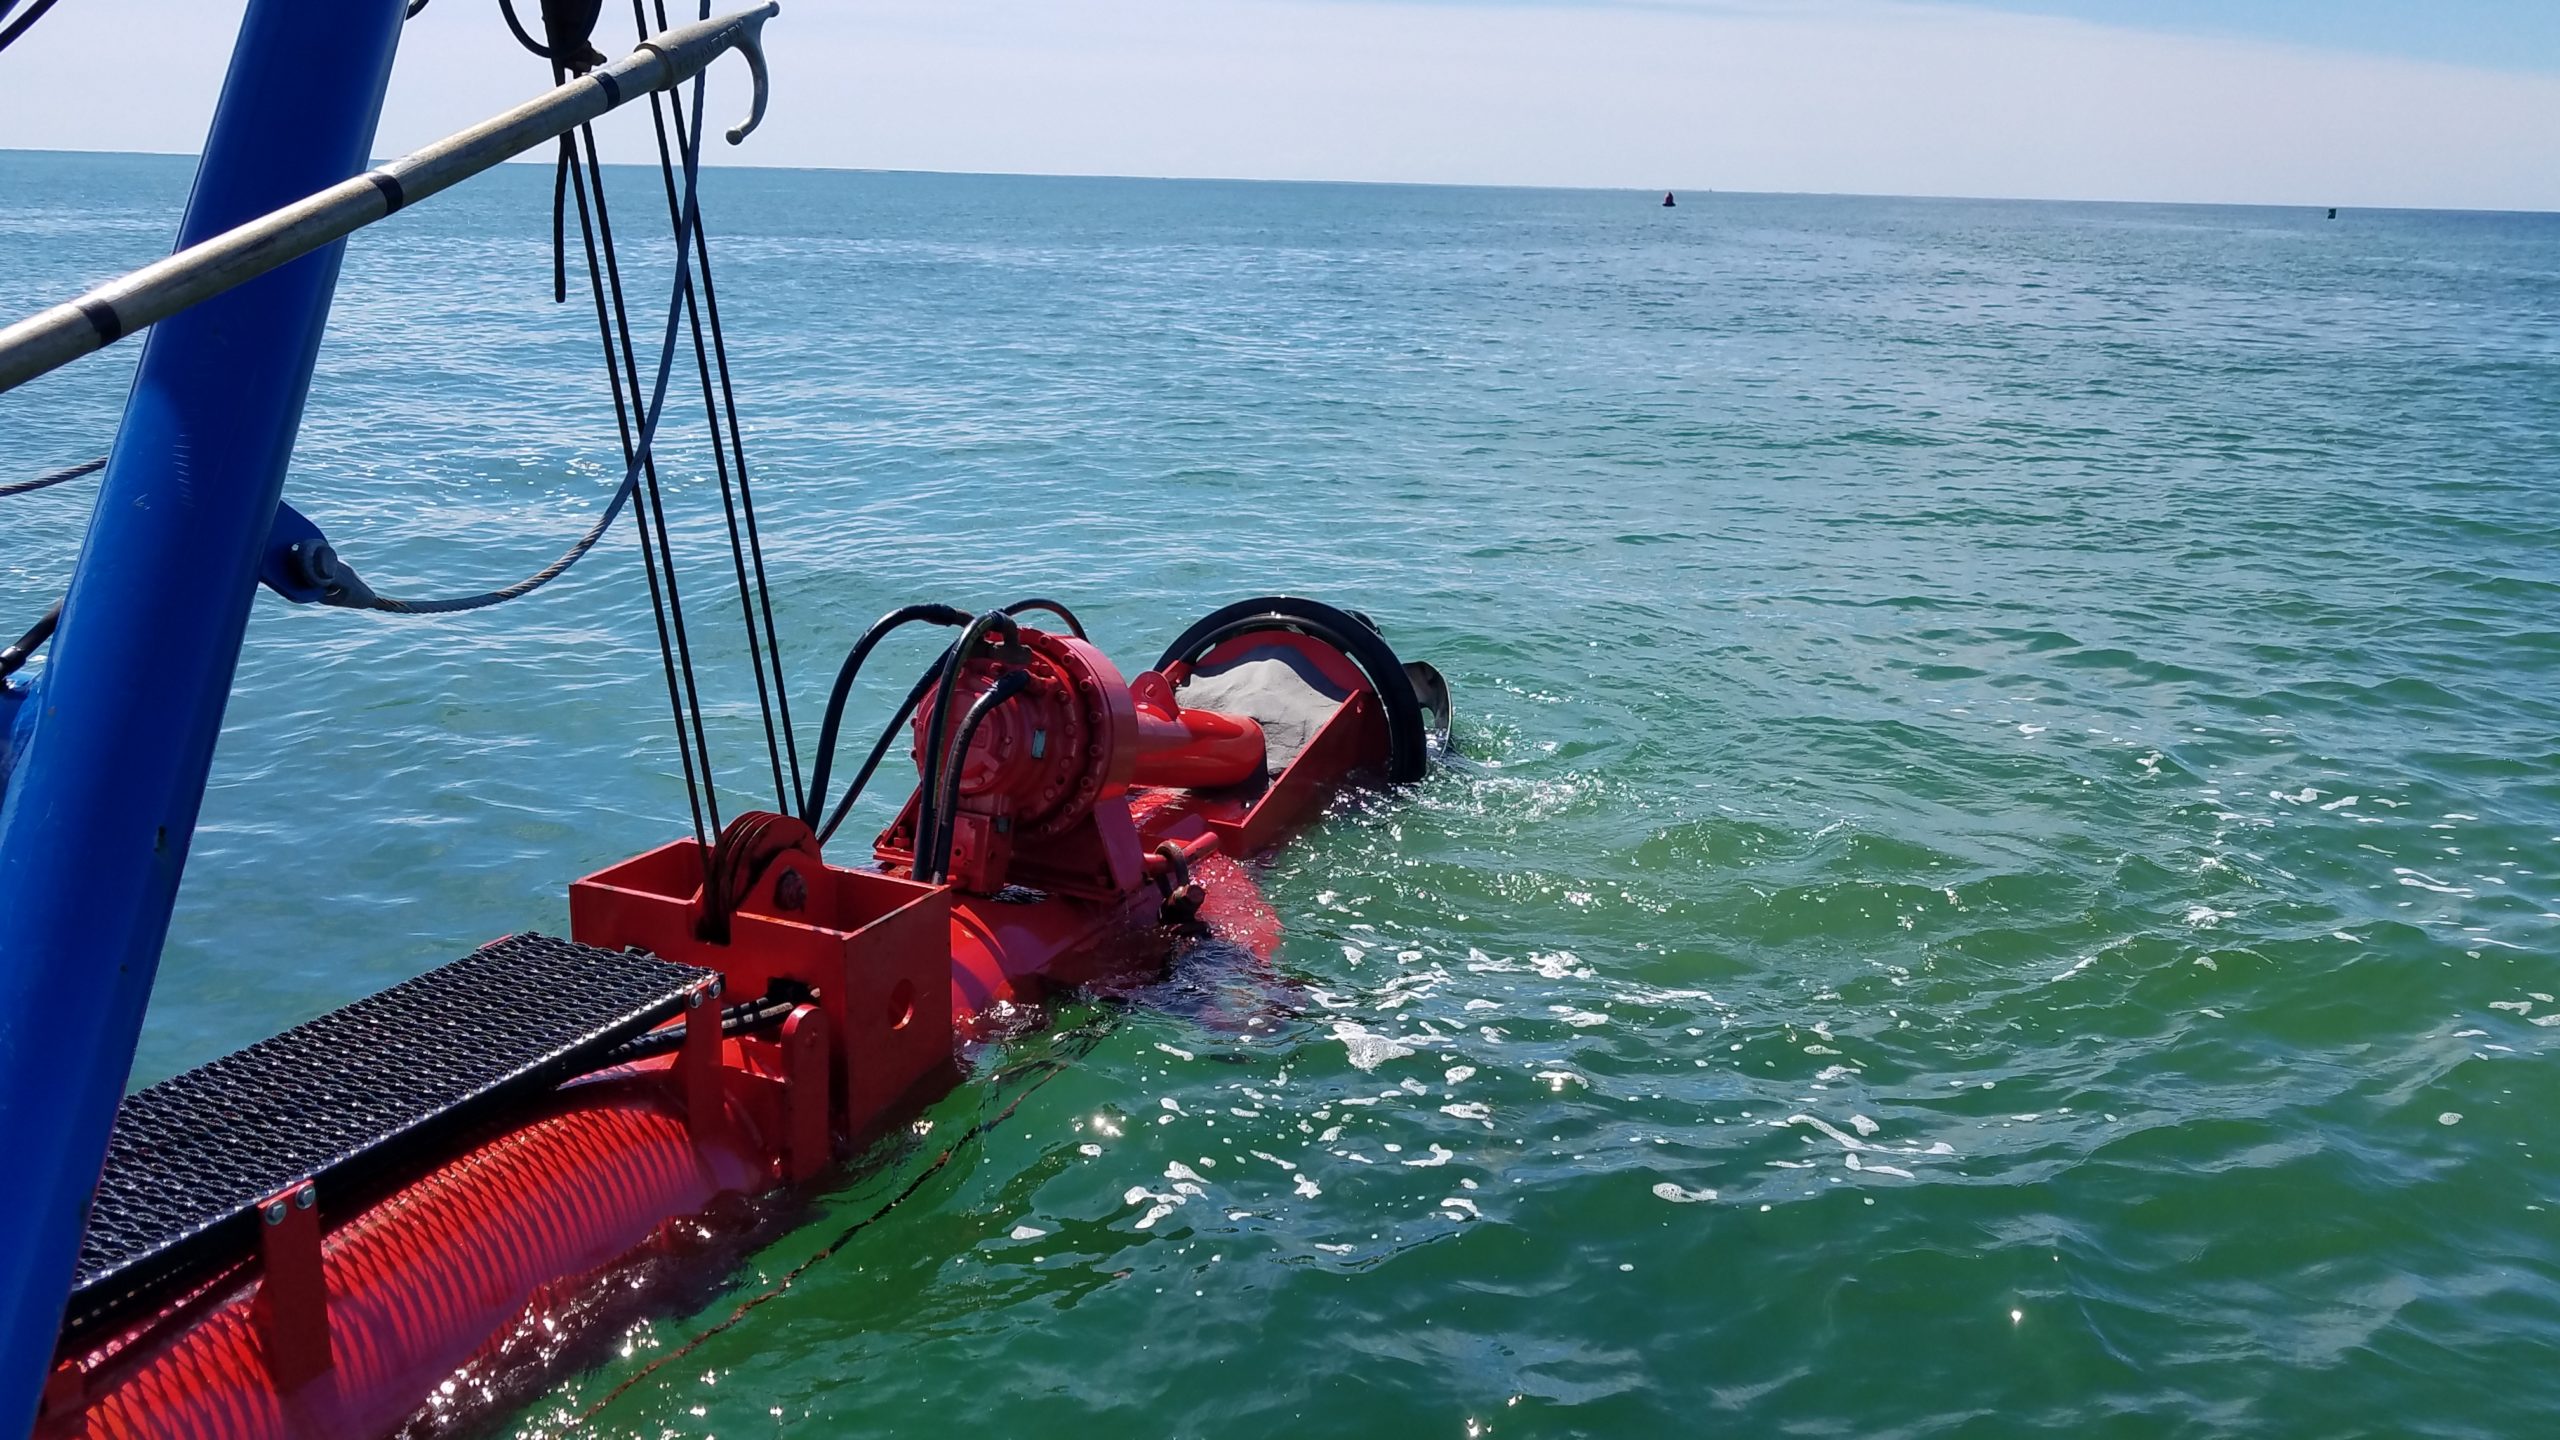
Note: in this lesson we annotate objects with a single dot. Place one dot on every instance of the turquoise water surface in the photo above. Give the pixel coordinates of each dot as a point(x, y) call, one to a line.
point(1997, 874)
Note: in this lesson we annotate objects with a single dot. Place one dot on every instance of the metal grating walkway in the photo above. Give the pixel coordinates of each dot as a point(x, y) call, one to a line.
point(350, 1095)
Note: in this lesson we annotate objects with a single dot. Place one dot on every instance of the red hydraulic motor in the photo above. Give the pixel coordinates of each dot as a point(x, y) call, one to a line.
point(1049, 740)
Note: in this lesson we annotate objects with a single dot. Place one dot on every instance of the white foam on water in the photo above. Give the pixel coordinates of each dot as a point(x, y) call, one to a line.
point(1088, 1149)
point(1028, 1232)
point(1847, 1141)
point(1468, 1111)
point(1678, 1196)
point(1308, 1188)
point(1177, 1054)
point(2450, 1117)
point(1458, 1074)
point(1368, 1050)
point(1459, 1206)
point(1334, 1249)
point(1440, 1155)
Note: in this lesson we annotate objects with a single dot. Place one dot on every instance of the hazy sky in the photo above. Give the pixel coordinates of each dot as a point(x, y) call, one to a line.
point(2345, 102)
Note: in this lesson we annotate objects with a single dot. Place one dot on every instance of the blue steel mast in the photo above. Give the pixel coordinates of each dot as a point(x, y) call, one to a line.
point(101, 807)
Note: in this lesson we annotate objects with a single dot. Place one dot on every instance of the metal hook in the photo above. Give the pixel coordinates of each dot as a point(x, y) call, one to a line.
point(750, 43)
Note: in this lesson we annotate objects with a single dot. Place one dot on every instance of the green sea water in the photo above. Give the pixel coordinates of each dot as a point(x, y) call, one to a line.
point(1994, 875)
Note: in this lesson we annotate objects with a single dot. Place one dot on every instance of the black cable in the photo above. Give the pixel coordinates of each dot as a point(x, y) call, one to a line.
point(53, 477)
point(824, 757)
point(963, 651)
point(947, 814)
point(551, 48)
point(784, 799)
point(745, 513)
point(561, 170)
point(648, 563)
point(656, 509)
point(26, 645)
point(1075, 627)
point(23, 23)
point(880, 747)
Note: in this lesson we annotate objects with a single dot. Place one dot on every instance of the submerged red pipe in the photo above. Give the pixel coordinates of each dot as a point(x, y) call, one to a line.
point(423, 1280)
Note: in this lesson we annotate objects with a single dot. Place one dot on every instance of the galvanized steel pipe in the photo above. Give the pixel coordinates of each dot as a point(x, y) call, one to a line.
point(53, 338)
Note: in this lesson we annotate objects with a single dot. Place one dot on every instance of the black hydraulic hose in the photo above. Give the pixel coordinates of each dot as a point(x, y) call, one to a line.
point(888, 736)
point(26, 645)
point(1075, 627)
point(961, 653)
point(827, 731)
point(741, 1019)
point(947, 814)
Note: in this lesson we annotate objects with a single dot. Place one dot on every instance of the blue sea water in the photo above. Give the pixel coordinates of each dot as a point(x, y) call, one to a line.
point(1997, 876)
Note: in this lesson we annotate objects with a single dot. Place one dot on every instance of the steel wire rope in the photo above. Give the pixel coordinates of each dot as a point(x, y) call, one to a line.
point(52, 478)
point(646, 451)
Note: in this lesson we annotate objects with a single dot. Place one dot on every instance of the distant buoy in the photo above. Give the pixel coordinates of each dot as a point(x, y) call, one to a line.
point(1668, 202)
point(2333, 210)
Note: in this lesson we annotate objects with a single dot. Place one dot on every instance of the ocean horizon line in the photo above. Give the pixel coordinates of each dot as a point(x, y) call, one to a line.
point(1318, 181)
